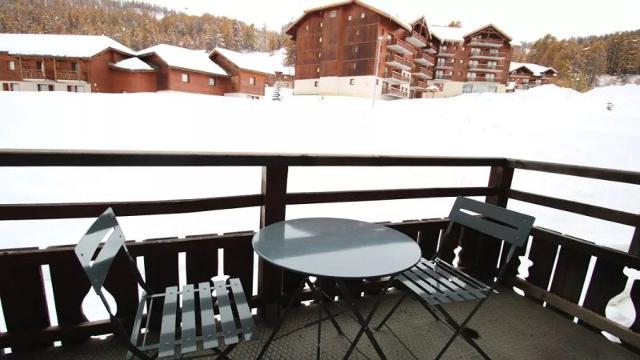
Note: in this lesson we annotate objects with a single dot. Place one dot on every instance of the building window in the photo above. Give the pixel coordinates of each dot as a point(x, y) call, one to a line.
point(212, 82)
point(357, 32)
point(350, 17)
point(40, 65)
point(15, 87)
point(467, 89)
point(12, 65)
point(321, 24)
point(333, 14)
point(439, 74)
point(352, 81)
point(459, 73)
point(307, 27)
point(316, 83)
point(320, 54)
point(318, 70)
point(492, 89)
point(185, 78)
point(252, 80)
point(320, 39)
point(355, 49)
point(491, 77)
point(362, 16)
point(43, 87)
point(471, 76)
point(76, 67)
point(354, 66)
point(461, 61)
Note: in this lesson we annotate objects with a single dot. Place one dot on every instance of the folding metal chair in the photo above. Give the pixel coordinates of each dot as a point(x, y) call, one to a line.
point(178, 334)
point(436, 282)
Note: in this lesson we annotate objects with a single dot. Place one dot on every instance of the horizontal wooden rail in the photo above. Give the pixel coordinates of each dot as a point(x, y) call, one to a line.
point(629, 177)
point(617, 216)
point(587, 247)
point(86, 158)
point(391, 194)
point(133, 208)
point(586, 315)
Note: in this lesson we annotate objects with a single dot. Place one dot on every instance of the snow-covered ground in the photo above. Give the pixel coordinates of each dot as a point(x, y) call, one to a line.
point(546, 124)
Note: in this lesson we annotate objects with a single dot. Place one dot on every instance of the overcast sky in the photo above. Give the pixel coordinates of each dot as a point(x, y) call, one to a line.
point(523, 20)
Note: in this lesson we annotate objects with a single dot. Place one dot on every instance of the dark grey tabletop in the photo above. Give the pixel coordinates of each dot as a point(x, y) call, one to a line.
point(337, 248)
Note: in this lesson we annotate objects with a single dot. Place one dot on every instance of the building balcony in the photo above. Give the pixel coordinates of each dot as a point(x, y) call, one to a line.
point(32, 74)
point(69, 75)
point(443, 77)
point(484, 79)
point(423, 73)
point(431, 48)
point(399, 46)
point(444, 66)
point(446, 53)
point(424, 59)
point(419, 85)
point(398, 62)
point(43, 288)
point(395, 92)
point(486, 42)
point(485, 68)
point(416, 39)
point(395, 77)
point(487, 55)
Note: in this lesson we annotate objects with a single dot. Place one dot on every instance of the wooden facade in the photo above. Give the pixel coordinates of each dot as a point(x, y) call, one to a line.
point(557, 277)
point(524, 78)
point(173, 78)
point(242, 82)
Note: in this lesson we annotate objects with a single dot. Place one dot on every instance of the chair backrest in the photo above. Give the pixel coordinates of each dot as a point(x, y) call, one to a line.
point(495, 221)
point(96, 260)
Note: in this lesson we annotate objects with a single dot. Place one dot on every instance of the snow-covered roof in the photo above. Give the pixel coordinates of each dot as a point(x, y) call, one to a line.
point(72, 46)
point(536, 69)
point(457, 34)
point(187, 59)
point(133, 64)
point(382, 7)
point(257, 61)
point(448, 33)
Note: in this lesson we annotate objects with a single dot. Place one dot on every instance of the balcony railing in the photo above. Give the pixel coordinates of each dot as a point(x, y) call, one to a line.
point(400, 46)
point(396, 77)
point(443, 77)
point(487, 55)
point(486, 42)
point(424, 59)
point(419, 85)
point(563, 276)
point(444, 65)
point(32, 74)
point(67, 75)
point(398, 62)
point(484, 79)
point(446, 53)
point(485, 67)
point(422, 72)
point(431, 48)
point(395, 92)
point(416, 39)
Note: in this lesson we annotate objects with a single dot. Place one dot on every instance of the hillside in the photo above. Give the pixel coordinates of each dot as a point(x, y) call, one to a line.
point(137, 25)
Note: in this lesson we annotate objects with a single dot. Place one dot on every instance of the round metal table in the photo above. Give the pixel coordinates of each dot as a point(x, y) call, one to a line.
point(338, 250)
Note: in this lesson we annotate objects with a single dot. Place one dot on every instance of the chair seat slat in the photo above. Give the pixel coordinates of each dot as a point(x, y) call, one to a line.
point(466, 278)
point(188, 338)
point(455, 278)
point(226, 314)
point(244, 312)
point(409, 283)
point(456, 287)
point(207, 317)
point(434, 281)
point(168, 325)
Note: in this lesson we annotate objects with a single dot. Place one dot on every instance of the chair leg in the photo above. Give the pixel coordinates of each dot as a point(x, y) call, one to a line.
point(393, 309)
point(459, 331)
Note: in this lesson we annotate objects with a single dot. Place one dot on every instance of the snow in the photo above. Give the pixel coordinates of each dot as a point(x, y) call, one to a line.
point(546, 123)
point(536, 69)
point(448, 33)
point(133, 64)
point(187, 59)
point(263, 62)
point(74, 46)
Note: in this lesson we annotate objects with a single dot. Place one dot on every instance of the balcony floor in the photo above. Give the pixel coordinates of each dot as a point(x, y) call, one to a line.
point(510, 327)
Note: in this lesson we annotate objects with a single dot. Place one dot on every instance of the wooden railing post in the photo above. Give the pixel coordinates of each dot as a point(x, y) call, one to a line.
point(634, 248)
point(500, 178)
point(274, 190)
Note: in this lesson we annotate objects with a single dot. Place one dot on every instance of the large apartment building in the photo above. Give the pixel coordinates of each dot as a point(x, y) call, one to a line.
point(356, 49)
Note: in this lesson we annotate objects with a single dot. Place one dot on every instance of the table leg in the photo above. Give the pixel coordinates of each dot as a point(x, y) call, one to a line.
point(319, 294)
point(364, 323)
point(294, 298)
